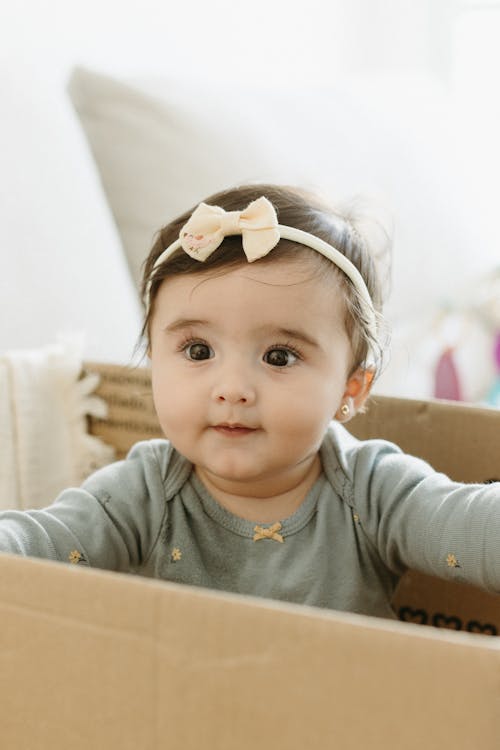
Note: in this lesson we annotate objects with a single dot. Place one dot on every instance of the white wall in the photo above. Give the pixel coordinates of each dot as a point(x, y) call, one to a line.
point(267, 40)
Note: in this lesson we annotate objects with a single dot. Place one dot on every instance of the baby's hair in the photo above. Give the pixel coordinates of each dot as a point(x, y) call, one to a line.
point(295, 208)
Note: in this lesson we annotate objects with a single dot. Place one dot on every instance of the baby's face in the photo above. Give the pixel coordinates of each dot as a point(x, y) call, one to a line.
point(248, 368)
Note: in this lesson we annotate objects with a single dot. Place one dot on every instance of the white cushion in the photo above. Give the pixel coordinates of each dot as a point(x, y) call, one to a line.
point(163, 146)
point(62, 268)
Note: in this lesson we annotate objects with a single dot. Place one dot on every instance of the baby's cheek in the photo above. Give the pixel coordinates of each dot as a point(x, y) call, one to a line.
point(171, 414)
point(174, 420)
point(303, 419)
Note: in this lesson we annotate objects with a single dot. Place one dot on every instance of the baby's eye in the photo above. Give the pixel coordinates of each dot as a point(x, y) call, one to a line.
point(280, 357)
point(197, 351)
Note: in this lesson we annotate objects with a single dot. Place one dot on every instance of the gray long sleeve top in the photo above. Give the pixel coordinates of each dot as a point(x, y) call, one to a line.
point(372, 513)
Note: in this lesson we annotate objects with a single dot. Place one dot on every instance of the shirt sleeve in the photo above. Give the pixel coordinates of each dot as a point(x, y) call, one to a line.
point(112, 521)
point(418, 518)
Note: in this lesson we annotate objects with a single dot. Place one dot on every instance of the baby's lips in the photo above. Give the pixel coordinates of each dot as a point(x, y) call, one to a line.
point(234, 427)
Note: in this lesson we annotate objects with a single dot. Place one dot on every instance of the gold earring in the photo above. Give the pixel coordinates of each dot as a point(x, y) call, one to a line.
point(344, 410)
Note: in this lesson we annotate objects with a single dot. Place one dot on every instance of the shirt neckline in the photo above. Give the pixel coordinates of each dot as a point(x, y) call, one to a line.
point(241, 526)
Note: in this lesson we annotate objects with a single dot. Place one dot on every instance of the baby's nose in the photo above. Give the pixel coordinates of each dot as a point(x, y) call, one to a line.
point(234, 390)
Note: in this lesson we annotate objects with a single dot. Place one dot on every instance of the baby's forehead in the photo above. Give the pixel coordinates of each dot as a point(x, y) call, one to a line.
point(296, 277)
point(253, 297)
point(300, 266)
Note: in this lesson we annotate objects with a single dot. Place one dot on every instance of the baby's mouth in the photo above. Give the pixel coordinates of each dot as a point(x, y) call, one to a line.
point(233, 429)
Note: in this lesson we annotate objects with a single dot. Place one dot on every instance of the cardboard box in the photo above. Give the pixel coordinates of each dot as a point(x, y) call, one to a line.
point(90, 659)
point(95, 660)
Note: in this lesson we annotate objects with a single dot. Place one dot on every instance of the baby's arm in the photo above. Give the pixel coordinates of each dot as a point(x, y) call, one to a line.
point(420, 519)
point(110, 522)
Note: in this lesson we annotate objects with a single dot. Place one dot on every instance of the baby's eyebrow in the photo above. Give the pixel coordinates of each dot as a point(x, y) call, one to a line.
point(292, 333)
point(289, 333)
point(182, 323)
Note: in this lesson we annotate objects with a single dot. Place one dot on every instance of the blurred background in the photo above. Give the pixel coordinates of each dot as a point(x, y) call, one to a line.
point(116, 116)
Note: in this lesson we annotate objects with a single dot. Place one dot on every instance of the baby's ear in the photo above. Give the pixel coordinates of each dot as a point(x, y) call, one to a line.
point(356, 392)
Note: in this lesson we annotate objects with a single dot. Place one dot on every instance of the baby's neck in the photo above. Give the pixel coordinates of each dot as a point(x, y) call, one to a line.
point(266, 503)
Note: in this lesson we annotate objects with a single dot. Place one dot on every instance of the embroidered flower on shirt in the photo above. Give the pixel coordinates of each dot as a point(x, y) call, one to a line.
point(452, 561)
point(75, 557)
point(176, 554)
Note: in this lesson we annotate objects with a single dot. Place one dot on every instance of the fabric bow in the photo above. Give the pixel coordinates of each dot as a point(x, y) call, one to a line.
point(208, 225)
point(268, 532)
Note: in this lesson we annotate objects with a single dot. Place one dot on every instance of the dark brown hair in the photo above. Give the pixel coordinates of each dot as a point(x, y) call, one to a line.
point(296, 208)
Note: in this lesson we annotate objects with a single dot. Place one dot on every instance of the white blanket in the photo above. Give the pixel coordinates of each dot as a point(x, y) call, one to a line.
point(44, 443)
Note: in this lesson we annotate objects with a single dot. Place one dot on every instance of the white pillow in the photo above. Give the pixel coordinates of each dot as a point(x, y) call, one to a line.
point(163, 145)
point(62, 269)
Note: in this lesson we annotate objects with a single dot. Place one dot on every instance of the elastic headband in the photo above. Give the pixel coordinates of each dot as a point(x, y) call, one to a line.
point(260, 232)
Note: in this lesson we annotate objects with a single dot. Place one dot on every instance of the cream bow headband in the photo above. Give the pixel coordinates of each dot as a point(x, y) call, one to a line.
point(260, 232)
